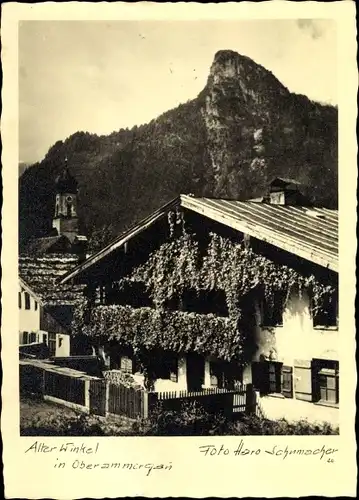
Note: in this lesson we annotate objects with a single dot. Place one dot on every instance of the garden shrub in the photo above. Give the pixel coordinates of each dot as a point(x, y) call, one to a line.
point(62, 425)
point(193, 420)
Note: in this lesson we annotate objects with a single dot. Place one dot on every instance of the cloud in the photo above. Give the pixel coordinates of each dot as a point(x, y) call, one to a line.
point(311, 27)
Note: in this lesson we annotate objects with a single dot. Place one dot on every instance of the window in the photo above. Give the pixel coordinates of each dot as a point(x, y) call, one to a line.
point(205, 302)
point(272, 310)
point(25, 338)
point(69, 208)
point(273, 378)
point(52, 344)
point(35, 305)
point(44, 338)
point(27, 300)
point(326, 316)
point(126, 364)
point(168, 367)
point(132, 294)
point(19, 300)
point(326, 381)
point(33, 337)
point(217, 375)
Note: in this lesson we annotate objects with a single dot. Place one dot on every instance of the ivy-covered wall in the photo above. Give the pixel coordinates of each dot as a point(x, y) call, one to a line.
point(181, 263)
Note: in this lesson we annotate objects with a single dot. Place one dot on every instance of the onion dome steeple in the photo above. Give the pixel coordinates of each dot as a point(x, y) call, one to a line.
point(65, 182)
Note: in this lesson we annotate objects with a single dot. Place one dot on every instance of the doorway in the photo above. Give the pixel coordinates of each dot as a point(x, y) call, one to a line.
point(195, 372)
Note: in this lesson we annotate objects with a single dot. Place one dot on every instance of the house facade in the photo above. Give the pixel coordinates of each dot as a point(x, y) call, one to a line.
point(211, 293)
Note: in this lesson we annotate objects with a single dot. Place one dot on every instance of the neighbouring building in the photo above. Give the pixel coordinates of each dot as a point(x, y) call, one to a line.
point(45, 308)
point(217, 293)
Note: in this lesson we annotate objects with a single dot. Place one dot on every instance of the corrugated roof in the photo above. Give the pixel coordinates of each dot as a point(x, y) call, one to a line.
point(41, 274)
point(308, 233)
point(291, 228)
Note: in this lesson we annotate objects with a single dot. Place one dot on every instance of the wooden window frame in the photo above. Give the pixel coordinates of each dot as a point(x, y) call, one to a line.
point(328, 371)
point(272, 375)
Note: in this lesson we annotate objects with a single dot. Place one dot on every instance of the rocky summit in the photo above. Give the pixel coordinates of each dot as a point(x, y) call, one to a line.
point(243, 129)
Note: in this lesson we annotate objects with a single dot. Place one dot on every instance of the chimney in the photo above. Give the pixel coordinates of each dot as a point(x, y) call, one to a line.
point(80, 246)
point(284, 192)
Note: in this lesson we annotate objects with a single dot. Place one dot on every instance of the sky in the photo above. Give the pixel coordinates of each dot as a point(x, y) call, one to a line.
point(100, 76)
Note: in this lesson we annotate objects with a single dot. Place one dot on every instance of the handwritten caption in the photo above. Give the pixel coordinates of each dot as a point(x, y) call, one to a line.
point(82, 457)
point(84, 461)
point(279, 452)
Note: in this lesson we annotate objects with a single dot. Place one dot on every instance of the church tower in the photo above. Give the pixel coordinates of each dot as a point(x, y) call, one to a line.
point(65, 219)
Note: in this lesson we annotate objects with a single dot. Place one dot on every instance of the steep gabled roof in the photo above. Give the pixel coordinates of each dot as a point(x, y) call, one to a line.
point(311, 234)
point(39, 275)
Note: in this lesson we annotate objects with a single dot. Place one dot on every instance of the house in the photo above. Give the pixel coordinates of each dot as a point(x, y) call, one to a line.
point(45, 308)
point(209, 293)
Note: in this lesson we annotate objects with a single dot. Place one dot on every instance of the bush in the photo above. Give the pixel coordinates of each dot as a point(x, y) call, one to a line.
point(193, 420)
point(190, 420)
point(250, 425)
point(62, 425)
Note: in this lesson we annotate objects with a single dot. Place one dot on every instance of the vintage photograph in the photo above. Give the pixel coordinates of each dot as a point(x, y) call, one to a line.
point(178, 228)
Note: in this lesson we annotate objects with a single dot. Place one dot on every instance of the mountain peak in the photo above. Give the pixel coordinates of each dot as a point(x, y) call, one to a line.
point(227, 54)
point(244, 128)
point(231, 67)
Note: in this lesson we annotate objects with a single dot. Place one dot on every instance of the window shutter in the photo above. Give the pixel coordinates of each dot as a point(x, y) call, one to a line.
point(287, 381)
point(303, 380)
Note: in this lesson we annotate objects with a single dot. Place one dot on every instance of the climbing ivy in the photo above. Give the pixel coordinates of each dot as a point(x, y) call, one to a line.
point(226, 266)
point(171, 330)
point(178, 265)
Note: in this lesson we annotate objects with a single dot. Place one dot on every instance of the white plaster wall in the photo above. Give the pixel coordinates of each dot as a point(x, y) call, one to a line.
point(29, 319)
point(207, 373)
point(294, 410)
point(64, 348)
point(297, 338)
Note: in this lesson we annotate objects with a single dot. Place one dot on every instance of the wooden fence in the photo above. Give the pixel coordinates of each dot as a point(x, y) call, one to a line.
point(213, 400)
point(85, 393)
point(64, 387)
point(126, 401)
point(100, 397)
